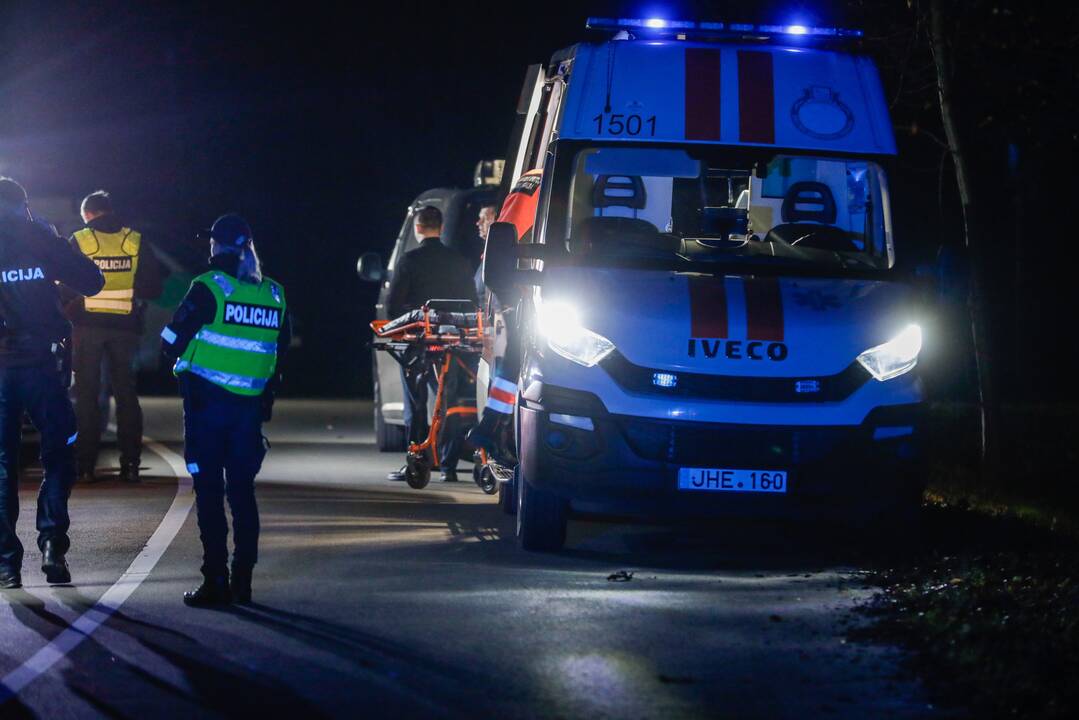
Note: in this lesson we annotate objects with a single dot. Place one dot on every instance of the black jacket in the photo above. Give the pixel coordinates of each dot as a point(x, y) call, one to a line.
point(198, 308)
point(148, 283)
point(431, 271)
point(33, 259)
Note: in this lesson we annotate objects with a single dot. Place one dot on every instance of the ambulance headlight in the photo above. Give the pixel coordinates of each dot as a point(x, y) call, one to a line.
point(560, 324)
point(894, 357)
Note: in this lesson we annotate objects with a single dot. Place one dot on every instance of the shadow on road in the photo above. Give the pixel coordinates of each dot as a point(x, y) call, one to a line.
point(441, 527)
point(212, 682)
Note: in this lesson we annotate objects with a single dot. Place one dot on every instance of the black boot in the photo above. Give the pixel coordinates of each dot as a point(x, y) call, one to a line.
point(129, 472)
point(88, 477)
point(53, 564)
point(213, 591)
point(484, 434)
point(10, 580)
point(490, 433)
point(240, 584)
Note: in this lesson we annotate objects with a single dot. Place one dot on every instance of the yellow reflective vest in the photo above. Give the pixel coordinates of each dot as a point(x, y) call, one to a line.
point(117, 256)
point(238, 350)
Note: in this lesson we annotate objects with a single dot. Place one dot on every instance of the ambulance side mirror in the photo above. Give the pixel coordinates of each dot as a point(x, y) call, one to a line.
point(500, 256)
point(369, 268)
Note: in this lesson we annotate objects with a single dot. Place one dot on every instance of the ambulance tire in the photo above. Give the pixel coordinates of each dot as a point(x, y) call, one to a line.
point(541, 518)
point(388, 437)
point(507, 495)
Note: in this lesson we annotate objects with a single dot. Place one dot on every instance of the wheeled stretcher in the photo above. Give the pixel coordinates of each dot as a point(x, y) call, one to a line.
point(440, 337)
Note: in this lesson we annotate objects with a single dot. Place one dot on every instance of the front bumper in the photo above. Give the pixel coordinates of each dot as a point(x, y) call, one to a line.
point(629, 465)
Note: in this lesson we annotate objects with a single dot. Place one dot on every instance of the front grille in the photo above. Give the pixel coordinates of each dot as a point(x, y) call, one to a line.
point(732, 445)
point(830, 388)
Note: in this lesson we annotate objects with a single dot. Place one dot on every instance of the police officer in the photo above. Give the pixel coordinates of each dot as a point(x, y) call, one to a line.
point(227, 339)
point(34, 377)
point(108, 325)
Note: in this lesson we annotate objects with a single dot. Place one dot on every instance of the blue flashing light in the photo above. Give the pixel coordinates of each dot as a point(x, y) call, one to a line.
point(639, 23)
point(686, 27)
point(664, 380)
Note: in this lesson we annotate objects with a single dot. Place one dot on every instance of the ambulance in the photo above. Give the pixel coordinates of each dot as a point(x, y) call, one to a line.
point(713, 323)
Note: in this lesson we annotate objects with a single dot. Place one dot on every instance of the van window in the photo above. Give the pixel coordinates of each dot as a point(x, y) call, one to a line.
point(464, 236)
point(662, 204)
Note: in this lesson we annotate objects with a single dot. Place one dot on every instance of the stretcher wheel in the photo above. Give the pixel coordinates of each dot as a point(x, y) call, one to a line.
point(417, 472)
point(486, 479)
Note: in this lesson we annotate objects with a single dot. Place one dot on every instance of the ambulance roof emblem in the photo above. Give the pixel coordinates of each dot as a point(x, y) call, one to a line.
point(820, 114)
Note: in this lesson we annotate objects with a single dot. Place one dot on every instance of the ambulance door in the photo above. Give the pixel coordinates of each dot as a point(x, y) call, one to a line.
point(522, 136)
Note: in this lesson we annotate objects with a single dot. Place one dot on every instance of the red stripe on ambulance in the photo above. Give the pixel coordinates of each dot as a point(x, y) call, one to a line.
point(702, 94)
point(764, 309)
point(503, 396)
point(756, 97)
point(707, 307)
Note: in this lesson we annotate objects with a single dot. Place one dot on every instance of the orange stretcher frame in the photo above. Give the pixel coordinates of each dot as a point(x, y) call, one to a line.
point(449, 346)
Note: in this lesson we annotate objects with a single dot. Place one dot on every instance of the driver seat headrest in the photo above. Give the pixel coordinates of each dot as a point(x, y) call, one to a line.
point(619, 191)
point(809, 201)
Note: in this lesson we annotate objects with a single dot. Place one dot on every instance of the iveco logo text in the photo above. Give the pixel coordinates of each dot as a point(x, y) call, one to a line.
point(22, 274)
point(252, 315)
point(113, 264)
point(739, 349)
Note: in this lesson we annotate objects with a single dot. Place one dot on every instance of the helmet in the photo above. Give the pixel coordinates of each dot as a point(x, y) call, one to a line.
point(231, 230)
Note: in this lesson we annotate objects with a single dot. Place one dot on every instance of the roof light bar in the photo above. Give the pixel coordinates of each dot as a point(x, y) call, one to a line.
point(679, 27)
point(640, 23)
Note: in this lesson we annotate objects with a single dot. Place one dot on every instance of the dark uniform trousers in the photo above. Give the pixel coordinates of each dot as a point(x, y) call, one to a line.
point(421, 383)
point(92, 345)
point(38, 391)
point(224, 449)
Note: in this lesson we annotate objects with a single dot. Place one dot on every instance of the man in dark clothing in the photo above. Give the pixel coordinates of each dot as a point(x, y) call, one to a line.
point(34, 377)
point(107, 326)
point(432, 271)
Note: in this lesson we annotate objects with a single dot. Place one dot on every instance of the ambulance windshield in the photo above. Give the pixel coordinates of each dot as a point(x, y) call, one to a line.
point(679, 206)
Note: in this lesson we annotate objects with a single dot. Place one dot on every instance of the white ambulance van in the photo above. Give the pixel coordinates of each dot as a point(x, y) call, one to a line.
point(713, 323)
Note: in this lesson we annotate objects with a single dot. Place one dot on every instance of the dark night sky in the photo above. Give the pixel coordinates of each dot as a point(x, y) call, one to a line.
point(319, 124)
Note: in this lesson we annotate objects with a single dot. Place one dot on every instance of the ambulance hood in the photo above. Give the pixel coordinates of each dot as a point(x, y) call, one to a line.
point(760, 326)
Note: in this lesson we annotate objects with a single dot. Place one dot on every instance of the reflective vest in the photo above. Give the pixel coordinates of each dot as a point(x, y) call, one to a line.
point(238, 350)
point(117, 256)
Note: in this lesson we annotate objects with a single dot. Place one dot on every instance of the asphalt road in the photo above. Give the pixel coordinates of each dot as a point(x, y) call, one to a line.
point(375, 600)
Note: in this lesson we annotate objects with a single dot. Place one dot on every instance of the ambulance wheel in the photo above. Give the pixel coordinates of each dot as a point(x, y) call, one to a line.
point(541, 518)
point(417, 472)
point(507, 497)
point(486, 479)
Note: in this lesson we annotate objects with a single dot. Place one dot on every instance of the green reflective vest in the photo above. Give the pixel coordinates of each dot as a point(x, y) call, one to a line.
point(117, 256)
point(238, 350)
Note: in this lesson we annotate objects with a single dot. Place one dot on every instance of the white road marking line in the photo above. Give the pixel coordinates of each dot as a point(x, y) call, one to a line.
point(14, 682)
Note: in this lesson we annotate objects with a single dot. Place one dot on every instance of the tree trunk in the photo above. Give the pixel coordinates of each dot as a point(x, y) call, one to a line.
point(976, 306)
